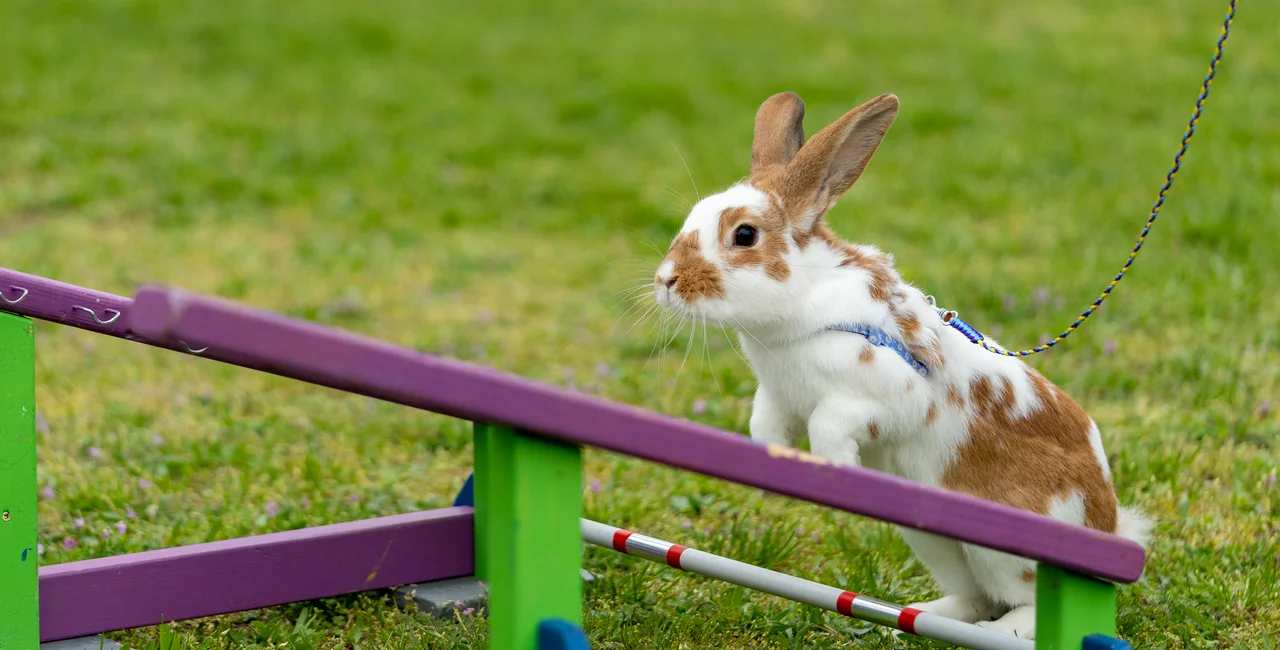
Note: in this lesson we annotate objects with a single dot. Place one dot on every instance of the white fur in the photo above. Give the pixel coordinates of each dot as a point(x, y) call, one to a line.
point(1095, 441)
point(705, 216)
point(812, 383)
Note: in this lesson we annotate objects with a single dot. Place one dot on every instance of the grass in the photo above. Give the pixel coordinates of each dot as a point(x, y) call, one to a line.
point(482, 179)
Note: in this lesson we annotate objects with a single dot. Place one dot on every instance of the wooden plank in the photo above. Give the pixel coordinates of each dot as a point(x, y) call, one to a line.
point(19, 618)
point(125, 591)
point(87, 309)
point(338, 359)
point(1070, 607)
point(531, 504)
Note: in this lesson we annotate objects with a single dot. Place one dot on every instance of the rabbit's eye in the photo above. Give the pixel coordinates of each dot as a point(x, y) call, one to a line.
point(744, 236)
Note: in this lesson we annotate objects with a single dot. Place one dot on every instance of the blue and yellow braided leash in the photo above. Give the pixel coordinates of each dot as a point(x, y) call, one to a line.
point(974, 335)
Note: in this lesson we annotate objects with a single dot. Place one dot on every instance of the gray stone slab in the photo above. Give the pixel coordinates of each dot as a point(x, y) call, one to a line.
point(83, 643)
point(441, 599)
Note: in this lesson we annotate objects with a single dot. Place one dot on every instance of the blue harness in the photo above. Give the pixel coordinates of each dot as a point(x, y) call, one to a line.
point(883, 339)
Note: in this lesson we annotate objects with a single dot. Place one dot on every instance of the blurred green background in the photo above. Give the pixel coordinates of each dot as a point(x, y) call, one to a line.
point(490, 180)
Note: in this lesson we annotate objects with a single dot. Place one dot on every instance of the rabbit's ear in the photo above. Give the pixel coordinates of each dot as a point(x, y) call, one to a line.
point(833, 159)
point(779, 133)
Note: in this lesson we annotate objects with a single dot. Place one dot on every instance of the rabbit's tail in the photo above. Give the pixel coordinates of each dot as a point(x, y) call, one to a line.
point(1133, 525)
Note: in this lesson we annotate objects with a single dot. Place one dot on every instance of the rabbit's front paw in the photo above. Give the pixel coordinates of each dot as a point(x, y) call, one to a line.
point(969, 609)
point(1021, 622)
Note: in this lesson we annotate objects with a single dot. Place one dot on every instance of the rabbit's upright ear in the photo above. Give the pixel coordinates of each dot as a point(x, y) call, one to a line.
point(779, 133)
point(833, 159)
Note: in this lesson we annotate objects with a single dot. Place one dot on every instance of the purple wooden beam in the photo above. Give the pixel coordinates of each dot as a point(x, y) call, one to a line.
point(332, 357)
point(67, 304)
point(125, 591)
point(95, 311)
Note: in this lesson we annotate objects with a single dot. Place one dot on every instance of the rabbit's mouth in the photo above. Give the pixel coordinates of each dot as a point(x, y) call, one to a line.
point(700, 311)
point(668, 298)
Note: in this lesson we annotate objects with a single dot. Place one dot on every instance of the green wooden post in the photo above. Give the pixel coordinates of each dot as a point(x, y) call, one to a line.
point(19, 613)
point(481, 441)
point(1070, 607)
point(528, 533)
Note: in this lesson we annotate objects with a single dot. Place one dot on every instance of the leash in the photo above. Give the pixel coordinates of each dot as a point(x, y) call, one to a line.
point(951, 318)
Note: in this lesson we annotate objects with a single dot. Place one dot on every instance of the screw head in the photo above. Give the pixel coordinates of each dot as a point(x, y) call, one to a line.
point(6, 516)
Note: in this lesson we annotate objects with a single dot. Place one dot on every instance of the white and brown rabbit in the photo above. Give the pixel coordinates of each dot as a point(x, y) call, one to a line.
point(849, 354)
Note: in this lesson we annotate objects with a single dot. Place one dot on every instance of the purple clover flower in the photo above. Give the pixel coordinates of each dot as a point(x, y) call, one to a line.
point(1042, 295)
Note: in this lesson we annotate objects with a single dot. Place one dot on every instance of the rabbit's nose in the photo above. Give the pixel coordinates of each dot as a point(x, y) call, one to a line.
point(667, 282)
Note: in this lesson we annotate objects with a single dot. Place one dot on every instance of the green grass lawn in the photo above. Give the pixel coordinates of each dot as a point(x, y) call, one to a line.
point(486, 180)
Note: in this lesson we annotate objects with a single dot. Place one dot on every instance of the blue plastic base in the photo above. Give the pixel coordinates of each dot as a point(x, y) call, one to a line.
point(1104, 642)
point(467, 495)
point(559, 634)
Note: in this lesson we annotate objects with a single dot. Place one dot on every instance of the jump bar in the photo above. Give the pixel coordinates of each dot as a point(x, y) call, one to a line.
point(138, 589)
point(338, 359)
point(87, 309)
point(847, 603)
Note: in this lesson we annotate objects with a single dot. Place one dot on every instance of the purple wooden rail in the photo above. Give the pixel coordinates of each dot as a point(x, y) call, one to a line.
point(137, 589)
point(332, 357)
point(86, 309)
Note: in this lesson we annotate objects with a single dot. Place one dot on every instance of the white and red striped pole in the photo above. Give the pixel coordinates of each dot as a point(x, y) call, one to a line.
point(907, 619)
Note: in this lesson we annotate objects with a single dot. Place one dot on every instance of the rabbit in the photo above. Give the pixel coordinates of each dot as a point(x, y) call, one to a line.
point(926, 404)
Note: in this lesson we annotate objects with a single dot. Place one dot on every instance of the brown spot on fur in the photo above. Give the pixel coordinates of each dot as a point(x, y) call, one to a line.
point(771, 241)
point(874, 429)
point(1028, 576)
point(1027, 461)
point(954, 397)
point(696, 278)
point(868, 354)
point(931, 414)
point(886, 286)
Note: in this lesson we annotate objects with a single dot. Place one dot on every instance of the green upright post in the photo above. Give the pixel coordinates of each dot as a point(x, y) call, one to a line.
point(528, 494)
point(481, 437)
point(1070, 607)
point(19, 613)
